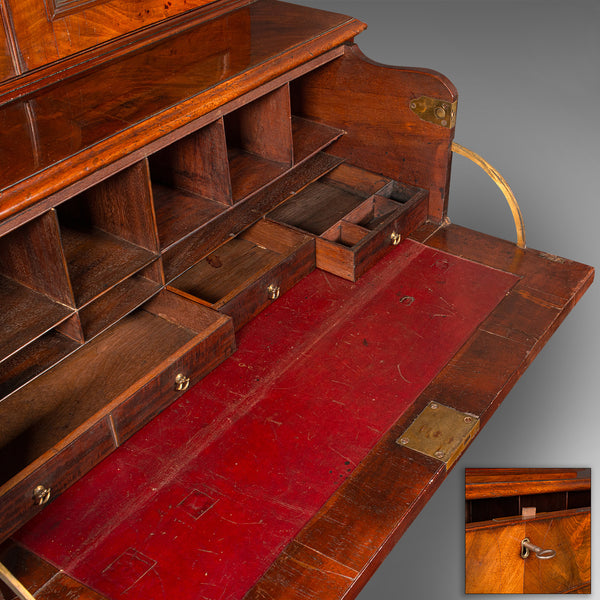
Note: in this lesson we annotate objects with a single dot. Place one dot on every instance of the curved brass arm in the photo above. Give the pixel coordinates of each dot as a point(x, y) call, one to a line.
point(14, 584)
point(501, 183)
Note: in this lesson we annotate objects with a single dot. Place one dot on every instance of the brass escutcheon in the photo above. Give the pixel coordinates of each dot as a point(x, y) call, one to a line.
point(41, 495)
point(182, 382)
point(273, 291)
point(396, 238)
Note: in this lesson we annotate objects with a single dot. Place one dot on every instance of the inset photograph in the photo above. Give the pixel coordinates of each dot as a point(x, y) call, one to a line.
point(528, 531)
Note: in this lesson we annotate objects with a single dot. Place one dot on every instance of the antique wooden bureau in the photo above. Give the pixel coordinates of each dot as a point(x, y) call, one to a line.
point(546, 507)
point(226, 204)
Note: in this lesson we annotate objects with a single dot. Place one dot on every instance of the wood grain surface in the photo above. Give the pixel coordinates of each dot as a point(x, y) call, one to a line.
point(43, 38)
point(384, 135)
point(161, 89)
point(493, 563)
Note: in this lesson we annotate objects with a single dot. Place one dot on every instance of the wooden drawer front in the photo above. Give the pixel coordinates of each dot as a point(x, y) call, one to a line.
point(56, 471)
point(570, 537)
point(354, 244)
point(256, 297)
point(185, 371)
point(245, 275)
point(126, 375)
point(493, 564)
point(493, 560)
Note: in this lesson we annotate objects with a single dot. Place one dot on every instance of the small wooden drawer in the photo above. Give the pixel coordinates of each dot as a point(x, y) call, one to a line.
point(355, 216)
point(100, 394)
point(212, 342)
point(46, 478)
point(250, 271)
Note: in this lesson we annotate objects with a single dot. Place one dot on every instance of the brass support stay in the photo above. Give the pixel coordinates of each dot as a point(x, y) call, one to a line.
point(14, 584)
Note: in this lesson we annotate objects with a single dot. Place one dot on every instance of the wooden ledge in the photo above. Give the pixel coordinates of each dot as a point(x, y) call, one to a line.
point(58, 135)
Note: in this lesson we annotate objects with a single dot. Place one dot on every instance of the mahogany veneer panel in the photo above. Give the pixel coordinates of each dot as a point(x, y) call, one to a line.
point(85, 23)
point(493, 562)
point(6, 56)
point(494, 565)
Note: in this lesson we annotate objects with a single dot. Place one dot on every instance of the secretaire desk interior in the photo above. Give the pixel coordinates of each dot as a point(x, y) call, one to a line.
point(240, 343)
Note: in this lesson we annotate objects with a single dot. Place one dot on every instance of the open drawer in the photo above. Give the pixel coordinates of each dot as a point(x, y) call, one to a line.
point(95, 398)
point(250, 271)
point(356, 216)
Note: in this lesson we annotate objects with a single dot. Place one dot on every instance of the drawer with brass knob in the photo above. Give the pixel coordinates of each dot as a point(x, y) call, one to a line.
point(249, 272)
point(355, 215)
point(51, 473)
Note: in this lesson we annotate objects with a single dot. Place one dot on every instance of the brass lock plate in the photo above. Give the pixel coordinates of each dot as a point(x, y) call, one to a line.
point(440, 432)
point(435, 111)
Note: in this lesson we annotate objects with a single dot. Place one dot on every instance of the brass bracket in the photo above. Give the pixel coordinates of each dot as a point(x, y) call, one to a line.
point(440, 432)
point(433, 110)
point(14, 584)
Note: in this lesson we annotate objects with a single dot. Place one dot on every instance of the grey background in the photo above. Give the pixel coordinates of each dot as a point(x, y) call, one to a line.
point(528, 76)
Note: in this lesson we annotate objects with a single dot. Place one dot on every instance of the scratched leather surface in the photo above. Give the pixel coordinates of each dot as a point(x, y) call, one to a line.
point(201, 501)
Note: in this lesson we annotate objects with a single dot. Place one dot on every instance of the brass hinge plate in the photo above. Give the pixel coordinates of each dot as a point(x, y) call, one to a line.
point(440, 432)
point(433, 110)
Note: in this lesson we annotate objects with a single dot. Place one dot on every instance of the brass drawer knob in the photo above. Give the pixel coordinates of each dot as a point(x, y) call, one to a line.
point(527, 547)
point(396, 238)
point(273, 291)
point(182, 382)
point(41, 495)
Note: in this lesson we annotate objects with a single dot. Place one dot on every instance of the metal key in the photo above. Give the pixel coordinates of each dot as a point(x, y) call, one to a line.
point(527, 547)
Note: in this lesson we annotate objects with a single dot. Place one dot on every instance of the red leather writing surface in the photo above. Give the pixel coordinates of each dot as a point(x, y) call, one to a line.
point(201, 501)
